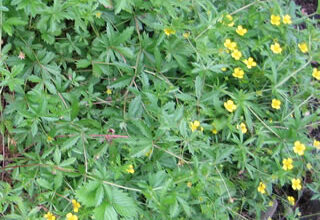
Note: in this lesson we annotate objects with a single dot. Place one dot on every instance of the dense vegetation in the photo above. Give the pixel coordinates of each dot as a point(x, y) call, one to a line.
point(160, 109)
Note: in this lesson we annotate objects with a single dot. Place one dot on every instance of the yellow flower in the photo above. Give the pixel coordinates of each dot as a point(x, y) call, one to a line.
point(98, 14)
point(243, 128)
point(270, 203)
point(230, 18)
point(189, 184)
point(223, 69)
point(214, 131)
point(276, 103)
point(316, 73)
point(287, 19)
point(250, 62)
point(194, 125)
point(49, 139)
point(231, 24)
point(238, 73)
point(276, 48)
point(169, 31)
point(49, 216)
point(291, 200)
point(287, 164)
point(236, 54)
point(316, 144)
point(186, 34)
point(303, 47)
point(309, 166)
point(296, 184)
point(241, 31)
point(70, 216)
point(109, 91)
point(76, 205)
point(275, 20)
point(230, 106)
point(230, 45)
point(262, 188)
point(130, 169)
point(299, 148)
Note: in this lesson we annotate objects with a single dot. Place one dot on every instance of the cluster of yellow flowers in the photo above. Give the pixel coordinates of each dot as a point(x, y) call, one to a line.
point(130, 169)
point(276, 48)
point(242, 127)
point(276, 19)
point(195, 125)
point(49, 216)
point(76, 205)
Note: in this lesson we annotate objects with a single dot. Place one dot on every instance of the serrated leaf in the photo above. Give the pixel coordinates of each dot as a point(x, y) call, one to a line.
point(99, 195)
point(121, 83)
point(124, 36)
point(34, 128)
point(135, 107)
point(15, 21)
point(58, 179)
point(105, 212)
point(68, 162)
point(57, 156)
point(139, 151)
point(122, 5)
point(87, 193)
point(69, 143)
point(84, 63)
point(185, 206)
point(106, 3)
point(123, 204)
point(50, 87)
point(44, 183)
point(199, 86)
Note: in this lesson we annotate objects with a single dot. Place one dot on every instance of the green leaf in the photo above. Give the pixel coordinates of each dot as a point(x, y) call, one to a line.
point(199, 86)
point(44, 183)
point(140, 151)
point(2, 8)
point(318, 9)
point(87, 193)
point(121, 83)
point(106, 3)
point(15, 21)
point(135, 107)
point(124, 36)
point(58, 179)
point(68, 162)
point(84, 63)
point(123, 5)
point(99, 195)
point(34, 128)
point(123, 204)
point(69, 143)
point(185, 206)
point(105, 212)
point(57, 156)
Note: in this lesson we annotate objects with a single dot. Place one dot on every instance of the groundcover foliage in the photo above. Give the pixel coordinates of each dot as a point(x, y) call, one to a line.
point(133, 109)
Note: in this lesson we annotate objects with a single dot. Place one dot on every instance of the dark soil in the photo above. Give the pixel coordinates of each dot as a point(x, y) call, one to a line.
point(308, 6)
point(310, 209)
